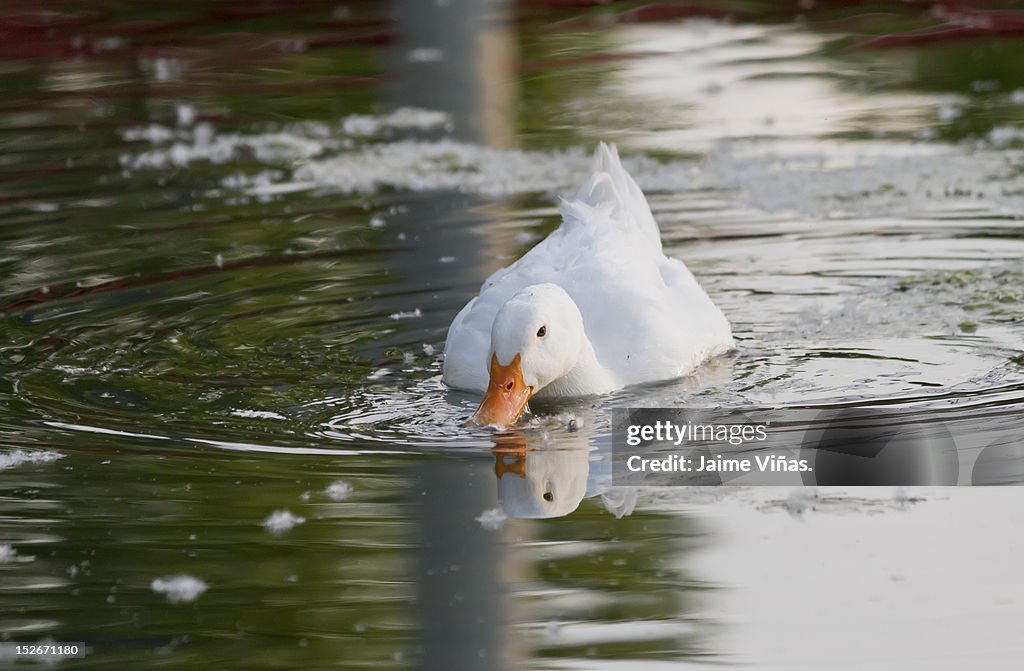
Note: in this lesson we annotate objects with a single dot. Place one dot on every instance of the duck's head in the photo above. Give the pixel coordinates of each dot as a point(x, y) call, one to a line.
point(536, 338)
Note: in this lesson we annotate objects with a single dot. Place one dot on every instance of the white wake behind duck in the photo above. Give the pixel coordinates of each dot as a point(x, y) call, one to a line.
point(594, 307)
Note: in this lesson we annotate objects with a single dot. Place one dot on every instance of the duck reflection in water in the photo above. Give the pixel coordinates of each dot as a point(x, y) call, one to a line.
point(538, 482)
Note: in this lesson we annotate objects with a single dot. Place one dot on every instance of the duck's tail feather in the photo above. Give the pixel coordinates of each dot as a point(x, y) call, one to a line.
point(610, 189)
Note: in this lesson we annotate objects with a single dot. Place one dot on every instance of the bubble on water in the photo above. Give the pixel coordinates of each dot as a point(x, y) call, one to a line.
point(411, 314)
point(179, 588)
point(281, 521)
point(164, 69)
point(179, 155)
point(425, 55)
point(18, 457)
point(1001, 136)
point(407, 118)
point(339, 490)
point(153, 133)
point(256, 414)
point(264, 181)
point(9, 555)
point(185, 113)
point(492, 519)
point(428, 349)
point(203, 134)
point(949, 112)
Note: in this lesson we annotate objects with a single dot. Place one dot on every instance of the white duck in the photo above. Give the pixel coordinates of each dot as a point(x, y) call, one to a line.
point(593, 307)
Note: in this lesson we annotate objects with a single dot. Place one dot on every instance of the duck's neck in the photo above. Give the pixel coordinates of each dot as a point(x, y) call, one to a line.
point(586, 378)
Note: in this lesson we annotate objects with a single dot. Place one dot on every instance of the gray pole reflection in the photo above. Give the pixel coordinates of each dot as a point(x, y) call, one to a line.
point(457, 56)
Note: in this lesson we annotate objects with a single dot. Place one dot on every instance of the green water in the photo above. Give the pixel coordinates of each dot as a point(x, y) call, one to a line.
point(228, 267)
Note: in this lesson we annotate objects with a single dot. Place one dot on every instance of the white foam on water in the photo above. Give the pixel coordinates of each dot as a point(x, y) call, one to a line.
point(179, 588)
point(403, 118)
point(18, 457)
point(415, 165)
point(256, 414)
point(1001, 136)
point(492, 519)
point(204, 145)
point(289, 142)
point(871, 179)
point(152, 133)
point(9, 555)
point(410, 314)
point(339, 490)
point(280, 521)
point(185, 113)
point(820, 179)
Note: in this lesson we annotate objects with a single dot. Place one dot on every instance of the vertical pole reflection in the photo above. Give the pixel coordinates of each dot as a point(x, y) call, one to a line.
point(457, 56)
point(459, 592)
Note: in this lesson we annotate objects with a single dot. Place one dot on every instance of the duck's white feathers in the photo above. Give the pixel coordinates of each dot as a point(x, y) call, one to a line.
point(645, 315)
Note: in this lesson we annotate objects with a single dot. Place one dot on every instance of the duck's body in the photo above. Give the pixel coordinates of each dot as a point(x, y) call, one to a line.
point(644, 316)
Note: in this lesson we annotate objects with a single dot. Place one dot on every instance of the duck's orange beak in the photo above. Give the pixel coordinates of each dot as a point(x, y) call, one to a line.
point(507, 394)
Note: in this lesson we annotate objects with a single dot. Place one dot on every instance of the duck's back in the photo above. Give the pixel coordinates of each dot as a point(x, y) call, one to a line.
point(645, 315)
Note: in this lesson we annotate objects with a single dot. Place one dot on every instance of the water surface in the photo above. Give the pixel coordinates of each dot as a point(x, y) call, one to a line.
point(232, 238)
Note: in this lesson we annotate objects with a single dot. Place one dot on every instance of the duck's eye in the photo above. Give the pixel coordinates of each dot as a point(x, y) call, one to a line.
point(508, 385)
point(542, 331)
point(549, 497)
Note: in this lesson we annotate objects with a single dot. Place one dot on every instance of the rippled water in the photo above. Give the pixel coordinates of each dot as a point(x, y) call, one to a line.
point(232, 238)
